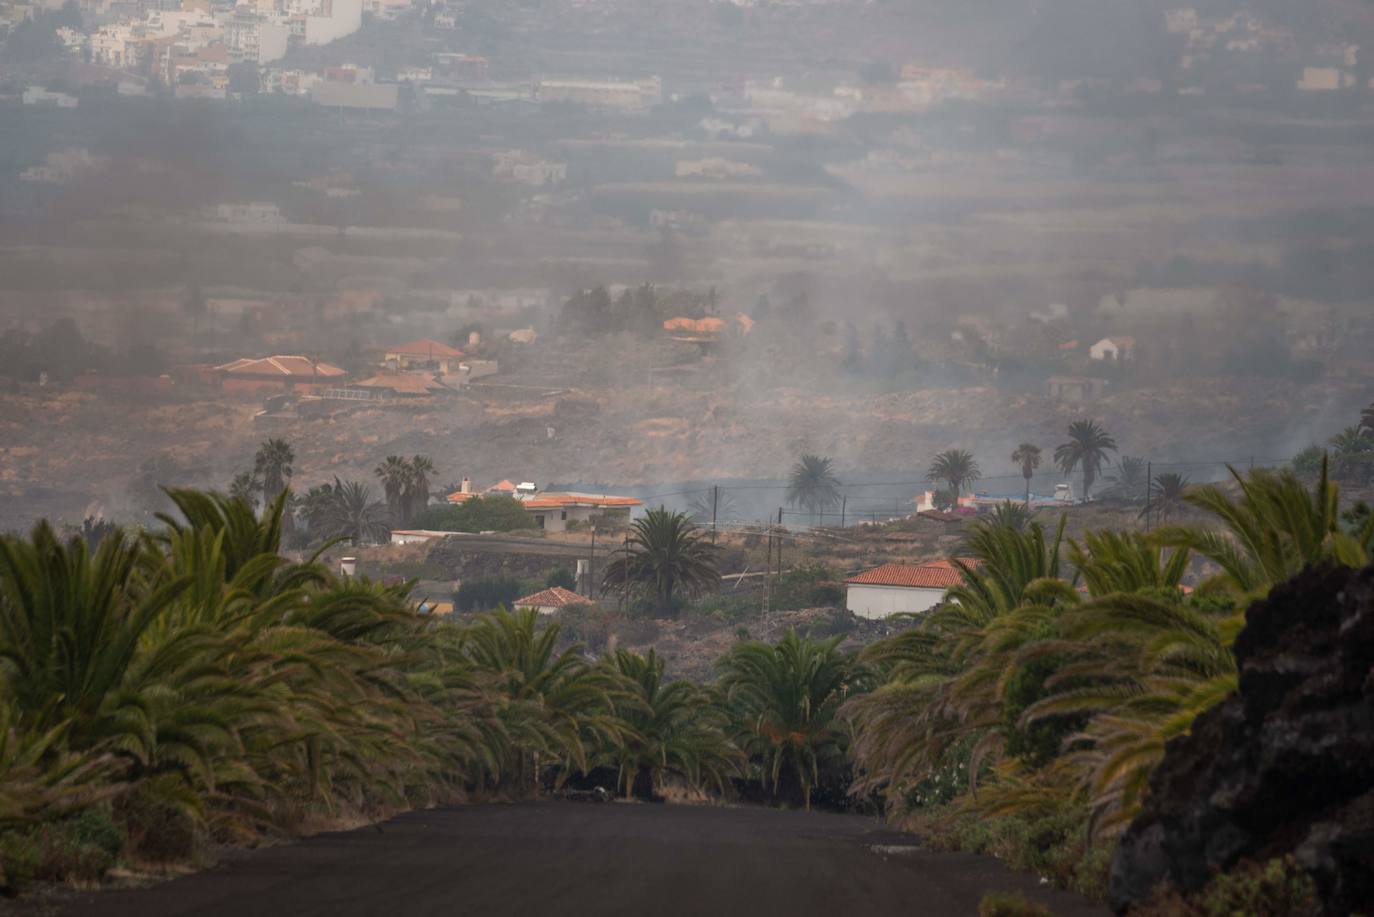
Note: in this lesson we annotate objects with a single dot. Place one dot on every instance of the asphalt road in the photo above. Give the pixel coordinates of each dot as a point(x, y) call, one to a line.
point(587, 859)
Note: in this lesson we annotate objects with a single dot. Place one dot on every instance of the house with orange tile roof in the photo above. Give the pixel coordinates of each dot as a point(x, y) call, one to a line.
point(554, 511)
point(276, 373)
point(900, 588)
point(402, 385)
point(424, 354)
point(551, 600)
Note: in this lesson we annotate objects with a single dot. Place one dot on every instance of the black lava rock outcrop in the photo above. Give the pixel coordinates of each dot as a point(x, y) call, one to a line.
point(1285, 765)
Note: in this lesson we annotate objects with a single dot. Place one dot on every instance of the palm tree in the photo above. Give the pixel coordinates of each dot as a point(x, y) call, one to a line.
point(666, 553)
point(813, 485)
point(1352, 441)
point(673, 727)
point(416, 497)
point(1087, 449)
point(1027, 455)
point(550, 704)
point(1130, 479)
point(724, 509)
point(351, 513)
point(1167, 491)
point(785, 699)
point(957, 467)
point(273, 465)
point(397, 479)
point(1274, 528)
point(245, 487)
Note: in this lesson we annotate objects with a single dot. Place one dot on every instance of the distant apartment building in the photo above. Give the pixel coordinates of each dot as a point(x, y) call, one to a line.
point(606, 94)
point(254, 39)
point(332, 20)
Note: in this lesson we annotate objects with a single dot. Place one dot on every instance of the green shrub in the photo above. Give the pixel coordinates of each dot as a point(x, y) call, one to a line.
point(1010, 904)
point(1052, 844)
point(561, 576)
point(96, 826)
point(487, 592)
point(79, 849)
point(1278, 888)
point(160, 829)
point(480, 514)
point(19, 859)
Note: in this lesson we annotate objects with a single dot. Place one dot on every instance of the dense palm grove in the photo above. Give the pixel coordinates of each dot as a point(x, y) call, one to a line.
point(188, 687)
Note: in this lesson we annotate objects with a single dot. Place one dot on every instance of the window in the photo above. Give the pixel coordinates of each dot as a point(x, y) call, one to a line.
point(539, 520)
point(565, 515)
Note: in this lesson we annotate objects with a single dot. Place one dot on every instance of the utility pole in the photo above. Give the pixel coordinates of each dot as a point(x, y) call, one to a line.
point(715, 502)
point(625, 574)
point(779, 573)
point(844, 504)
point(768, 569)
point(1149, 491)
point(591, 568)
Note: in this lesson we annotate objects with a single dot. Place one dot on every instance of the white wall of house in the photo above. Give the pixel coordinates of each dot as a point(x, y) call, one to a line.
point(557, 520)
point(541, 609)
point(1105, 349)
point(876, 602)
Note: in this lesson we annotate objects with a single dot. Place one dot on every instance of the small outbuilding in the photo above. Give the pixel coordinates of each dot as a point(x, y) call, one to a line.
point(551, 600)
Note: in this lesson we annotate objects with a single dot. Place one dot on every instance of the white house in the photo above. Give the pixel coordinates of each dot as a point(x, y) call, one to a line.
point(1113, 349)
point(900, 588)
point(551, 600)
point(553, 511)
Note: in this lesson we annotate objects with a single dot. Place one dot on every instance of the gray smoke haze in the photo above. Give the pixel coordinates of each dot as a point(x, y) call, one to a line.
point(899, 227)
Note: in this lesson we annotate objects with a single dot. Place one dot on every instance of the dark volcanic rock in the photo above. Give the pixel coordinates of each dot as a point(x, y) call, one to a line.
point(1286, 765)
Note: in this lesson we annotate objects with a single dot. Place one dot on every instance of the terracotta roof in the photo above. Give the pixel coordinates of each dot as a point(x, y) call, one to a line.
point(554, 597)
point(501, 487)
point(286, 366)
point(940, 574)
point(425, 348)
point(404, 383)
point(555, 500)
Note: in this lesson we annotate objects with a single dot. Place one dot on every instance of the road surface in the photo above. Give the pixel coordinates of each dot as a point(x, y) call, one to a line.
point(551, 858)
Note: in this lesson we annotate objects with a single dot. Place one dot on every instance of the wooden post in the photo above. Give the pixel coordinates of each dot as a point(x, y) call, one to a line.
point(844, 504)
point(1149, 488)
point(715, 503)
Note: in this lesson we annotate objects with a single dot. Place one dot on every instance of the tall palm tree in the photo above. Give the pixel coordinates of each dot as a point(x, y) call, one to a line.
point(785, 699)
point(813, 485)
point(957, 467)
point(1087, 449)
point(1130, 480)
point(273, 465)
point(666, 554)
point(1027, 455)
point(1167, 492)
point(416, 497)
point(397, 478)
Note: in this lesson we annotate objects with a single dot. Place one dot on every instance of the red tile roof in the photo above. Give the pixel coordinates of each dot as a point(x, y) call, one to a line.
point(555, 500)
point(426, 348)
point(282, 366)
point(940, 574)
point(555, 597)
point(404, 383)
